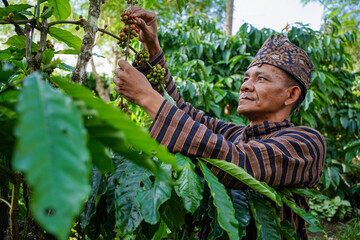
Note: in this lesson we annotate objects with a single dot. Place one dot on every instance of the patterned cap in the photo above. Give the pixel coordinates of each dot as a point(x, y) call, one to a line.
point(280, 52)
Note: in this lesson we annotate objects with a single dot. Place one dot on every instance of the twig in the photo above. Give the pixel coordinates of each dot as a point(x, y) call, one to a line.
point(64, 22)
point(18, 21)
point(14, 211)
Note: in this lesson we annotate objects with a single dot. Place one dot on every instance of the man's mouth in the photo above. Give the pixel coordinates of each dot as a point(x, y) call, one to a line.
point(244, 97)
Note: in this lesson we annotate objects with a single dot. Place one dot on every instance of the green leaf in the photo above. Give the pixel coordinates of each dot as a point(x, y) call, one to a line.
point(97, 188)
point(136, 136)
point(151, 195)
point(265, 217)
point(188, 186)
point(288, 231)
point(173, 212)
point(222, 202)
point(67, 37)
point(161, 233)
point(355, 143)
point(148, 3)
point(307, 216)
point(20, 42)
point(181, 4)
point(14, 8)
point(246, 178)
point(100, 156)
point(128, 216)
point(47, 13)
point(47, 56)
point(51, 151)
point(62, 8)
point(242, 210)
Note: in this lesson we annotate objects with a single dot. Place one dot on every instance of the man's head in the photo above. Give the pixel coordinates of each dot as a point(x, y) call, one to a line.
point(276, 81)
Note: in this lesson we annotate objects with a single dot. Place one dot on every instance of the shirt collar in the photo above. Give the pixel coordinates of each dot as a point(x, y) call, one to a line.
point(265, 128)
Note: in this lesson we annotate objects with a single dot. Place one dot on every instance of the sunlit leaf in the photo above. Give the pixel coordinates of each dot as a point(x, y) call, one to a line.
point(224, 207)
point(51, 151)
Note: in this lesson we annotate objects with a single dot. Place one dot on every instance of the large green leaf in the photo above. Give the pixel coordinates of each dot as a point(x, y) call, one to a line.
point(114, 138)
point(67, 37)
point(315, 225)
point(13, 8)
point(242, 210)
point(265, 218)
point(225, 209)
point(173, 212)
point(152, 194)
point(51, 151)
point(100, 156)
point(240, 174)
point(20, 42)
point(128, 215)
point(98, 188)
point(134, 135)
point(216, 230)
point(62, 8)
point(287, 230)
point(188, 185)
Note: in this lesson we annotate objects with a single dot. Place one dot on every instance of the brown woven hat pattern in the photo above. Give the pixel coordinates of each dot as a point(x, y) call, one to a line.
point(280, 52)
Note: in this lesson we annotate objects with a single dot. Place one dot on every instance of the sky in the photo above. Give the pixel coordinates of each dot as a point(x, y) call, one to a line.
point(276, 14)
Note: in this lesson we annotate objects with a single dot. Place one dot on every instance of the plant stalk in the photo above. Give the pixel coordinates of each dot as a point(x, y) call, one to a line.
point(14, 211)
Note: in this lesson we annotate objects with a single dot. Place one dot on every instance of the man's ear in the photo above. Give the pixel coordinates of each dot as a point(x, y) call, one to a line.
point(294, 93)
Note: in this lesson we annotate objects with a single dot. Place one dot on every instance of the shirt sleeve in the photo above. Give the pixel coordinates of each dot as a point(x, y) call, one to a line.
point(214, 124)
point(291, 157)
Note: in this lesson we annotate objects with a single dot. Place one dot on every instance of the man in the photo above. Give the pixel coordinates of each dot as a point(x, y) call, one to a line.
point(270, 148)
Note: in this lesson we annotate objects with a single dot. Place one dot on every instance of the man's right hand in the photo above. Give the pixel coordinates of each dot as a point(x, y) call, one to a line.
point(148, 30)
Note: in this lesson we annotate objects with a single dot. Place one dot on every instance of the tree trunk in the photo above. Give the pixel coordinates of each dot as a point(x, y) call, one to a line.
point(229, 17)
point(90, 27)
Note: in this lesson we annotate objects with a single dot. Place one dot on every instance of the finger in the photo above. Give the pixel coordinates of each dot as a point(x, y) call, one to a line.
point(117, 71)
point(117, 89)
point(144, 14)
point(116, 80)
point(124, 64)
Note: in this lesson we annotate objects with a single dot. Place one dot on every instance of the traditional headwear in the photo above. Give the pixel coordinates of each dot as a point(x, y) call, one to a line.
point(280, 52)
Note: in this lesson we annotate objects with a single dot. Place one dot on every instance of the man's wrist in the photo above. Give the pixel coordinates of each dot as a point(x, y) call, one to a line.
point(152, 48)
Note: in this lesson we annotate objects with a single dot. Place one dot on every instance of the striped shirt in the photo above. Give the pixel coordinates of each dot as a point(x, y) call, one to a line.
point(277, 153)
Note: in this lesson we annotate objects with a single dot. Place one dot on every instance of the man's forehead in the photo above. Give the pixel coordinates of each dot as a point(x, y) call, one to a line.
point(262, 69)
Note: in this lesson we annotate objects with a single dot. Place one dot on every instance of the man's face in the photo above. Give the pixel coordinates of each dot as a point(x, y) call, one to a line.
point(263, 93)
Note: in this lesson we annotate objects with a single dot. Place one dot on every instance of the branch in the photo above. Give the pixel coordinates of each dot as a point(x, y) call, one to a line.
point(11, 174)
point(18, 21)
point(5, 3)
point(118, 38)
point(90, 27)
point(65, 22)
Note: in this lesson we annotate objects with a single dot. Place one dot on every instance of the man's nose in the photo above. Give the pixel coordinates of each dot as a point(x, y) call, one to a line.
point(248, 85)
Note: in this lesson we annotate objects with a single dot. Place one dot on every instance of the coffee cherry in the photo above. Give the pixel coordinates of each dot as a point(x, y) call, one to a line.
point(157, 75)
point(11, 15)
point(5, 18)
point(142, 56)
point(77, 28)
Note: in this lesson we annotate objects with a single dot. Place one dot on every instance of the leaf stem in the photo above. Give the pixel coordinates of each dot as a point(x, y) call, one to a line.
point(14, 211)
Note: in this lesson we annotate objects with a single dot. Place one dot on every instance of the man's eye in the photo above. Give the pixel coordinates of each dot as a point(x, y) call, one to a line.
point(245, 79)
